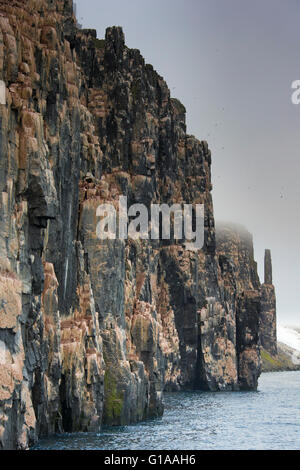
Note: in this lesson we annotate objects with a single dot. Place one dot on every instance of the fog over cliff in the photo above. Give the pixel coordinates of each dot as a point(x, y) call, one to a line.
point(232, 64)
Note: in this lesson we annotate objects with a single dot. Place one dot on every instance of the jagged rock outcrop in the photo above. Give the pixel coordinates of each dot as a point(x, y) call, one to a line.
point(93, 331)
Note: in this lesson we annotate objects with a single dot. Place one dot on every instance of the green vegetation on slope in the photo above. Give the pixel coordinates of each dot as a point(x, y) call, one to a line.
point(277, 363)
point(114, 400)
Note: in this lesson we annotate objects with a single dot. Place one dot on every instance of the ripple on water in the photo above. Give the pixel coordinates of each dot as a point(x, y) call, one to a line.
point(267, 419)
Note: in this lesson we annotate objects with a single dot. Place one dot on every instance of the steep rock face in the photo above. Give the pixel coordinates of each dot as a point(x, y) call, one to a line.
point(254, 304)
point(53, 360)
point(242, 292)
point(93, 331)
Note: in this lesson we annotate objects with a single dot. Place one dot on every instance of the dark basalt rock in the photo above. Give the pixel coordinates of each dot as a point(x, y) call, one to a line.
point(268, 268)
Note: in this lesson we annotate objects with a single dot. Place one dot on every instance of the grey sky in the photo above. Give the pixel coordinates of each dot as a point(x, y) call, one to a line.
point(232, 62)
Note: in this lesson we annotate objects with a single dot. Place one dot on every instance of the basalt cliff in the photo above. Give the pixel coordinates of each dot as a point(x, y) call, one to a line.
point(94, 331)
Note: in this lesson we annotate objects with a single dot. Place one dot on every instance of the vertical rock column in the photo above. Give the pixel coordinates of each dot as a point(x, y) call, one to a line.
point(268, 332)
point(268, 268)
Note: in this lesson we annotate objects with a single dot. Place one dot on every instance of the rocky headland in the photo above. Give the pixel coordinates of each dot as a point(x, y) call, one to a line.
point(93, 331)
